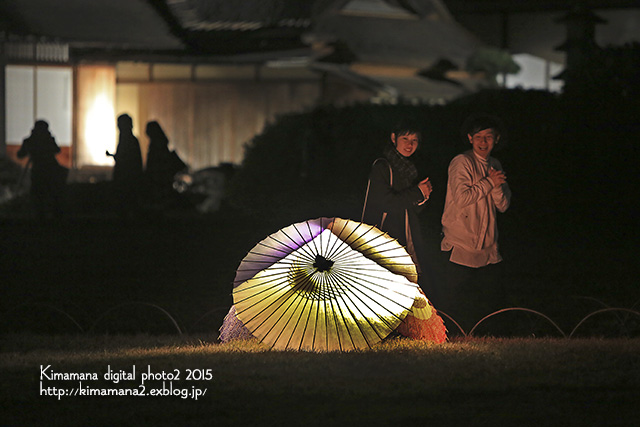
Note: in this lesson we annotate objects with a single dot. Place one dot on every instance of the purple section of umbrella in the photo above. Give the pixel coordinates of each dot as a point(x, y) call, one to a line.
point(277, 246)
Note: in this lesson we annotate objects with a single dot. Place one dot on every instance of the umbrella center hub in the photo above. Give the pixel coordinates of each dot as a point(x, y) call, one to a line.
point(322, 264)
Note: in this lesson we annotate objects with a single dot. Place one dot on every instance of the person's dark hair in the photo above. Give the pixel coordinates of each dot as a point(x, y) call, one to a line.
point(406, 127)
point(41, 126)
point(156, 134)
point(125, 122)
point(477, 122)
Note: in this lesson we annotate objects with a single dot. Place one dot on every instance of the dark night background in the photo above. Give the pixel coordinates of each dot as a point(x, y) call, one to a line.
point(569, 239)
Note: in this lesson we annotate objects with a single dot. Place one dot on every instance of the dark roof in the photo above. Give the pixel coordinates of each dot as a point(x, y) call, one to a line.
point(412, 42)
point(406, 33)
point(532, 26)
point(244, 15)
point(120, 24)
point(479, 7)
point(224, 27)
point(227, 27)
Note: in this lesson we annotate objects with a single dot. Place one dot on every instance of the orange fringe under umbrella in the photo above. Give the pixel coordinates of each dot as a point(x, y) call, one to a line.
point(423, 322)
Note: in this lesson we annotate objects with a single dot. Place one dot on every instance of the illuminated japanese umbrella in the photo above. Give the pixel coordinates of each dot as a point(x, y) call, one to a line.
point(325, 284)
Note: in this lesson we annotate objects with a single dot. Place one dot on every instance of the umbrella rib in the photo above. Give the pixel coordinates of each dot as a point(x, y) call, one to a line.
point(303, 248)
point(306, 325)
point(281, 272)
point(356, 291)
point(281, 265)
point(364, 283)
point(362, 237)
point(381, 237)
point(367, 268)
point(275, 278)
point(265, 308)
point(277, 271)
point(306, 301)
point(335, 297)
point(299, 246)
point(382, 319)
point(326, 326)
point(360, 266)
point(279, 242)
point(384, 262)
point(372, 248)
point(297, 297)
point(363, 316)
point(354, 255)
point(266, 254)
point(385, 241)
point(315, 329)
point(313, 240)
point(346, 246)
point(315, 322)
point(307, 284)
point(346, 272)
point(256, 294)
point(377, 251)
point(341, 295)
point(330, 251)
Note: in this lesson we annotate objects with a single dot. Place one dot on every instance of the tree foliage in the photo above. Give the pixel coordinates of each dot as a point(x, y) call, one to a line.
point(492, 62)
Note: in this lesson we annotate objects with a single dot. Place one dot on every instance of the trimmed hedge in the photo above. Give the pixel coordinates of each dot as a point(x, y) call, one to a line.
point(317, 163)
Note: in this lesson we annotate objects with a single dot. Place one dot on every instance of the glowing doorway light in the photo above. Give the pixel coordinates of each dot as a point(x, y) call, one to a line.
point(100, 131)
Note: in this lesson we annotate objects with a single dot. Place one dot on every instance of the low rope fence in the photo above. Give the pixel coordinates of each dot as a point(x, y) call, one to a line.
point(103, 318)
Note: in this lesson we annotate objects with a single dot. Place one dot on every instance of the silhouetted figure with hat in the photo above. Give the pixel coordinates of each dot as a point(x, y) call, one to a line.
point(48, 177)
point(127, 172)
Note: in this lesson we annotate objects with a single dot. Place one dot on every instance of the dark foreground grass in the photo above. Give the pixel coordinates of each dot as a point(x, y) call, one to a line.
point(111, 277)
point(471, 382)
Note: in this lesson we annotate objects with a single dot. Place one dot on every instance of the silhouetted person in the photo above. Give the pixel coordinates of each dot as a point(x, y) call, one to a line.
point(162, 164)
point(48, 177)
point(127, 172)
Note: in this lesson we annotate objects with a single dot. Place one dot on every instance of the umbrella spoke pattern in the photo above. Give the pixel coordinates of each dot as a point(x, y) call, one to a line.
point(324, 285)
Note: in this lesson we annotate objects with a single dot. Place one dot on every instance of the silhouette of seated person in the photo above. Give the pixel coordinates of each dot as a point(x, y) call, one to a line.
point(162, 165)
point(48, 177)
point(127, 171)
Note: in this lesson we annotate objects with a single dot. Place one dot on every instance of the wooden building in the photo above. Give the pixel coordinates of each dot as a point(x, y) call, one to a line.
point(214, 74)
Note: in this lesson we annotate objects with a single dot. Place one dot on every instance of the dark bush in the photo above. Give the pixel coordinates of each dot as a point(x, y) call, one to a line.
point(317, 163)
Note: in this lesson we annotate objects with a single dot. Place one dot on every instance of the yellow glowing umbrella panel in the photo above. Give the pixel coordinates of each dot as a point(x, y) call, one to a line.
point(325, 284)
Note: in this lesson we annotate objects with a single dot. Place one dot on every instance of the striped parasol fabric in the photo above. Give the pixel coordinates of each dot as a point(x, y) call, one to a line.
point(327, 284)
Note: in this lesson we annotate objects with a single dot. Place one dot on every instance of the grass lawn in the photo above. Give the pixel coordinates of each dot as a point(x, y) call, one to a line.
point(88, 293)
point(469, 382)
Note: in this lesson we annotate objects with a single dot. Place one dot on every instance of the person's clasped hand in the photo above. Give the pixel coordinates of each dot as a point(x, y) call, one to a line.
point(426, 187)
point(497, 177)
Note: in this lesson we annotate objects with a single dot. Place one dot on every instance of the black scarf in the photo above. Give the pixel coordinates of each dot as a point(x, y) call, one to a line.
point(404, 171)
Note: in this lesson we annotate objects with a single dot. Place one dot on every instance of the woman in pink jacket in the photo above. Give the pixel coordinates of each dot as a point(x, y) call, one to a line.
point(476, 189)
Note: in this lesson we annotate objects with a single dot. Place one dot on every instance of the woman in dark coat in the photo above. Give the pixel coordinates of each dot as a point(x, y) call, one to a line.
point(394, 198)
point(48, 177)
point(162, 164)
point(394, 194)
